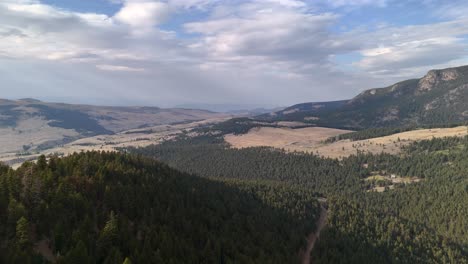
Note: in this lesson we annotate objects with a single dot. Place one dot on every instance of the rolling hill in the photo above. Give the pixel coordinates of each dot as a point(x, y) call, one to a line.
point(29, 124)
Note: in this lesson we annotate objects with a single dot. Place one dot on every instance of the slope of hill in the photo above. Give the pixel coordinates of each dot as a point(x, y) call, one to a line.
point(29, 124)
point(103, 207)
point(297, 112)
point(419, 217)
point(325, 142)
point(440, 97)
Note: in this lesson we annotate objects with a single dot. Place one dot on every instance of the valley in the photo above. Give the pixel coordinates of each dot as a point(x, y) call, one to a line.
point(29, 125)
point(314, 236)
point(311, 183)
point(233, 132)
point(107, 142)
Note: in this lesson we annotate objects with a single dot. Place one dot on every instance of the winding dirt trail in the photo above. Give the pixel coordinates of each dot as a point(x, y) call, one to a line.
point(312, 238)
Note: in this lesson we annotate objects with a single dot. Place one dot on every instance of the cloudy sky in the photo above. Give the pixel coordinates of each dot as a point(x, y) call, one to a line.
point(258, 52)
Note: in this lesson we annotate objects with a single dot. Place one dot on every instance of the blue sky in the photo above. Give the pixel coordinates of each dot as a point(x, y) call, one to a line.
point(258, 52)
point(92, 6)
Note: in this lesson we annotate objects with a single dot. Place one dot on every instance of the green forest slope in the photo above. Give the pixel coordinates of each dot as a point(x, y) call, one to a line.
point(104, 208)
point(423, 222)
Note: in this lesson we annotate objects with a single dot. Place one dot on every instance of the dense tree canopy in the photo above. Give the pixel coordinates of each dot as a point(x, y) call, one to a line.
point(423, 222)
point(110, 208)
point(252, 205)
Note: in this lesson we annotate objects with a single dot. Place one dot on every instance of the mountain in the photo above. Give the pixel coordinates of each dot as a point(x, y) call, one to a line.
point(32, 123)
point(440, 97)
point(241, 109)
point(299, 110)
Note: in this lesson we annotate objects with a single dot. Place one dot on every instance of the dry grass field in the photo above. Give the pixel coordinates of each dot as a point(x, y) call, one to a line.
point(32, 131)
point(131, 138)
point(312, 140)
point(309, 139)
point(302, 139)
point(29, 125)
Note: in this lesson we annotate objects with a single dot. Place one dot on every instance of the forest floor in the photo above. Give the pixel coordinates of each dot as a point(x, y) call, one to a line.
point(43, 248)
point(312, 238)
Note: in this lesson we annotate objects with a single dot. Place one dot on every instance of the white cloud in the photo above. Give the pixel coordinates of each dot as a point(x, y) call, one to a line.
point(404, 49)
point(119, 68)
point(287, 3)
point(143, 14)
point(197, 4)
point(273, 36)
point(341, 3)
point(257, 51)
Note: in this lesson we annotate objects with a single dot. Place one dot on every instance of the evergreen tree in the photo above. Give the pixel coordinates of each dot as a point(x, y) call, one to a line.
point(22, 233)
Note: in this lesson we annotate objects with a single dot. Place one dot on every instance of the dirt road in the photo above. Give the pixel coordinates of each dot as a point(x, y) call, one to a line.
point(312, 238)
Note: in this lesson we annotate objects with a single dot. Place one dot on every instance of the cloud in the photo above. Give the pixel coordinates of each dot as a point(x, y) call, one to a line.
point(343, 3)
point(287, 3)
point(119, 68)
point(271, 52)
point(143, 14)
point(395, 50)
point(196, 4)
point(278, 37)
point(60, 34)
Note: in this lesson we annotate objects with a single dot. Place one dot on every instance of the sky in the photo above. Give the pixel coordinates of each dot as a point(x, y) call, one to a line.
point(259, 53)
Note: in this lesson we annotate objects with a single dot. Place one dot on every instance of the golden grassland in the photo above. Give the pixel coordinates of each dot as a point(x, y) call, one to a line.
point(312, 140)
point(131, 138)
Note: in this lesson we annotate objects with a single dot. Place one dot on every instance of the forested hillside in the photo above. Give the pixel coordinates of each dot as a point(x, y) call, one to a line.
point(421, 222)
point(438, 98)
point(110, 208)
point(217, 160)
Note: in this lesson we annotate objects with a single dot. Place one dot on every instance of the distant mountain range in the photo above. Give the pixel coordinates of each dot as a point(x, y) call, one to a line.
point(440, 97)
point(33, 123)
point(242, 109)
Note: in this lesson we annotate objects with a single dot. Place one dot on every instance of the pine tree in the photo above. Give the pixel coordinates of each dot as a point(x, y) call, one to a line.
point(114, 257)
point(109, 234)
point(22, 233)
point(77, 255)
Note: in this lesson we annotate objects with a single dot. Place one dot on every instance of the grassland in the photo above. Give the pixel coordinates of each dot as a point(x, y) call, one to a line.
point(301, 139)
point(312, 140)
point(130, 138)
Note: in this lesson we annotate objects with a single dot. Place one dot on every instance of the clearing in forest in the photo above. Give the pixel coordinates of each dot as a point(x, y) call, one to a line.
point(301, 139)
point(312, 140)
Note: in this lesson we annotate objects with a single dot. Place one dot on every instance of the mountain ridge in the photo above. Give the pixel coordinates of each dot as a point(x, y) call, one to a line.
point(439, 97)
point(30, 123)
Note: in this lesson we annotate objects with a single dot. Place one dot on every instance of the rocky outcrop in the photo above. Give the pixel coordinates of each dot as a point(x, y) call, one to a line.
point(434, 77)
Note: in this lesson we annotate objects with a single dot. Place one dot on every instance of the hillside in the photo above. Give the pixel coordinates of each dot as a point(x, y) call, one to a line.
point(382, 208)
point(440, 97)
point(104, 207)
point(336, 143)
point(29, 124)
point(299, 110)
